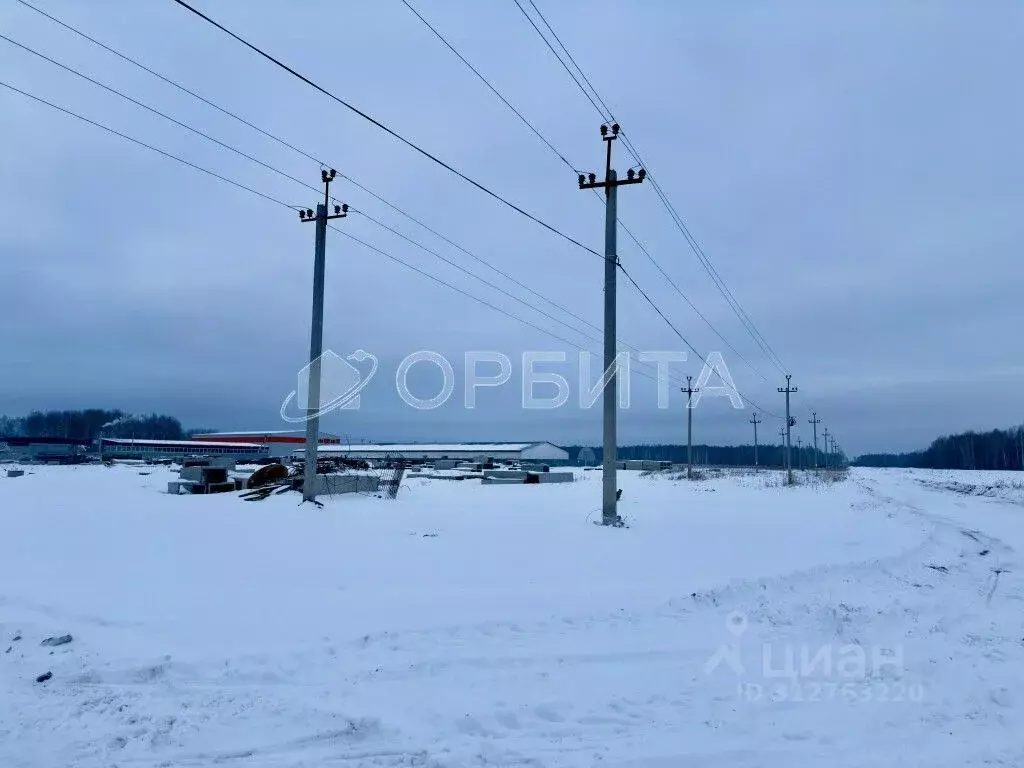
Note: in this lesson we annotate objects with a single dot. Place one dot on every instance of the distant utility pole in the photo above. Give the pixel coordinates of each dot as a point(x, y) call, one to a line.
point(609, 511)
point(689, 426)
point(790, 421)
point(755, 421)
point(316, 334)
point(782, 442)
point(826, 448)
point(815, 421)
point(799, 453)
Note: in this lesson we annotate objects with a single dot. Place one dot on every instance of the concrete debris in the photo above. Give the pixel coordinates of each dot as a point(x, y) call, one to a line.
point(55, 641)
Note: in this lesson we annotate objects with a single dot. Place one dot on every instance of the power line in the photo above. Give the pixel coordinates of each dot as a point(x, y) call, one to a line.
point(157, 112)
point(351, 180)
point(167, 80)
point(281, 203)
point(606, 114)
point(409, 143)
point(551, 48)
point(309, 186)
point(278, 140)
point(486, 82)
point(278, 171)
point(548, 143)
point(607, 110)
point(141, 143)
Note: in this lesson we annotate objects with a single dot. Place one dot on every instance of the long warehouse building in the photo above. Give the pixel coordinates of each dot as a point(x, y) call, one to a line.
point(541, 453)
point(279, 443)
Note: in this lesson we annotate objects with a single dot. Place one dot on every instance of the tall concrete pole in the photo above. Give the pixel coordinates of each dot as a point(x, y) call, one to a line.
point(789, 425)
point(610, 490)
point(316, 336)
point(826, 448)
point(316, 333)
point(815, 421)
point(689, 426)
point(755, 421)
point(609, 500)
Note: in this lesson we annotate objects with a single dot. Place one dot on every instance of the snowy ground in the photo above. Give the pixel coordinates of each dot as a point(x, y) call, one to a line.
point(879, 621)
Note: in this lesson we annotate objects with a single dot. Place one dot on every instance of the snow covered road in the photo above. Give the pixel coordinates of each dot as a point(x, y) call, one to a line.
point(873, 622)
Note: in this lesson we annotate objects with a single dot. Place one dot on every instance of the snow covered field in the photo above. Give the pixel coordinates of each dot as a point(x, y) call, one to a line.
point(878, 621)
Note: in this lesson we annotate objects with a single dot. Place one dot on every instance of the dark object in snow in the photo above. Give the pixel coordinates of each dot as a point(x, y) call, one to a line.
point(54, 641)
point(9, 649)
point(44, 677)
point(15, 472)
point(983, 552)
point(618, 494)
point(940, 568)
point(16, 638)
point(267, 475)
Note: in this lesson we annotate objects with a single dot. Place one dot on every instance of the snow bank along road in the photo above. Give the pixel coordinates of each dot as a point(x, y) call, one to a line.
point(879, 621)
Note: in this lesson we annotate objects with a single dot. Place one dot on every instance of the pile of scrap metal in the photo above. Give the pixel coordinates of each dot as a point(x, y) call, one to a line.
point(270, 479)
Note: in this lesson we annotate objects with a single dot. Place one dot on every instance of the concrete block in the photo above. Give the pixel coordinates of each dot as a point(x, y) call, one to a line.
point(15, 472)
point(634, 464)
point(487, 480)
point(516, 473)
point(555, 477)
point(192, 474)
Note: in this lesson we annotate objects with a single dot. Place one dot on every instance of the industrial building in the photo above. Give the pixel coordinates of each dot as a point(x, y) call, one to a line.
point(62, 450)
point(532, 453)
point(280, 443)
point(116, 448)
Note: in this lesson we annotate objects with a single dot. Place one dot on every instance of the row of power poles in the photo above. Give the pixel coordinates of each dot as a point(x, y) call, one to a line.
point(831, 453)
point(610, 491)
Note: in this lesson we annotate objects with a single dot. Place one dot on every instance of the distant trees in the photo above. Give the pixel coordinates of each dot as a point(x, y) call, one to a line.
point(92, 423)
point(996, 449)
point(720, 455)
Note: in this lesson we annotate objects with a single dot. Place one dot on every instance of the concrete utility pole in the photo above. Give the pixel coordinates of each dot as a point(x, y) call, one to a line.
point(826, 448)
point(782, 442)
point(689, 390)
point(755, 421)
point(316, 333)
point(790, 421)
point(799, 454)
point(609, 504)
point(815, 421)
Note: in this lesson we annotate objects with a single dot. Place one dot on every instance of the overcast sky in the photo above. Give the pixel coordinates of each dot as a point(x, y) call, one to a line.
point(855, 173)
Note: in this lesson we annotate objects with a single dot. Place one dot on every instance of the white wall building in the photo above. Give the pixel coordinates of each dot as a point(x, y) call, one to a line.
point(541, 453)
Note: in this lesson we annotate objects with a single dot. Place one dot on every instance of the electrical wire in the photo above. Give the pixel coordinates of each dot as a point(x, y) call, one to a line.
point(282, 142)
point(486, 82)
point(278, 171)
point(283, 204)
point(562, 157)
point(390, 131)
point(141, 143)
point(253, 159)
point(606, 114)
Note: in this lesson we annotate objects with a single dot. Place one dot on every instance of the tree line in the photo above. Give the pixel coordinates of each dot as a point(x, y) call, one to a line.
point(92, 423)
point(716, 455)
point(996, 449)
